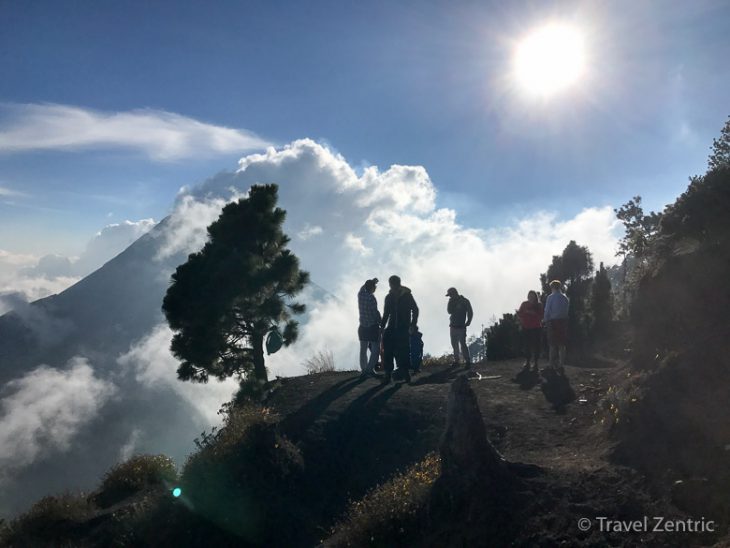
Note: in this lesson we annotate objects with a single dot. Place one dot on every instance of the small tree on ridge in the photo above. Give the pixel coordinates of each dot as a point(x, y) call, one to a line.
point(226, 297)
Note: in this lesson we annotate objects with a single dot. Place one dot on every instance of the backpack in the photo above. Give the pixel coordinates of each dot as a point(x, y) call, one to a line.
point(274, 341)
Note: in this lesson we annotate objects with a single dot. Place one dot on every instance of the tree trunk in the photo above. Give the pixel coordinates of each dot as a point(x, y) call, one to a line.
point(259, 367)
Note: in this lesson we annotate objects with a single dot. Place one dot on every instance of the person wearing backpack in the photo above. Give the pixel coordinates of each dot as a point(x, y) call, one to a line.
point(460, 316)
point(400, 315)
point(369, 330)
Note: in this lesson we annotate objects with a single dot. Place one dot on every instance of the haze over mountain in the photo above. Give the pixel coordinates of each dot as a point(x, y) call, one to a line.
point(87, 375)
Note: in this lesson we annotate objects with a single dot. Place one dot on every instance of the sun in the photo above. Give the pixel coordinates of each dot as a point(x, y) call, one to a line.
point(549, 60)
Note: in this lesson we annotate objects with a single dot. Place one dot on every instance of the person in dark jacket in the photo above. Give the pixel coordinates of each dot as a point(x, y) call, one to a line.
point(530, 316)
point(460, 316)
point(400, 313)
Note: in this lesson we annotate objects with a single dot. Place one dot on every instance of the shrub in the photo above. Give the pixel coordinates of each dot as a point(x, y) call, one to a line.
point(440, 361)
point(47, 520)
point(134, 475)
point(392, 513)
point(321, 362)
point(244, 478)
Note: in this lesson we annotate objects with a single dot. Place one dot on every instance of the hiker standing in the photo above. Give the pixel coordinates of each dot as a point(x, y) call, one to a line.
point(460, 316)
point(369, 330)
point(556, 318)
point(400, 313)
point(530, 315)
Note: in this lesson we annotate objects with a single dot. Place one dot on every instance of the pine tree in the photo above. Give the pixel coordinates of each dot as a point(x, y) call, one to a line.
point(226, 297)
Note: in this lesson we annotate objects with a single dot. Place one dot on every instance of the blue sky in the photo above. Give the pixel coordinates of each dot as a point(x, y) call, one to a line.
point(383, 83)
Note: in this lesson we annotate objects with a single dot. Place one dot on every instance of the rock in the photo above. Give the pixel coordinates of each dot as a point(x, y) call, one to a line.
point(475, 480)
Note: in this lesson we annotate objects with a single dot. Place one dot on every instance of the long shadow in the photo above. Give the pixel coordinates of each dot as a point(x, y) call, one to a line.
point(295, 424)
point(439, 377)
point(557, 390)
point(361, 448)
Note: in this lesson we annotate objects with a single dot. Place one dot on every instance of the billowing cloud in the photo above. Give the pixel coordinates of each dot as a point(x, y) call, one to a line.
point(383, 223)
point(159, 134)
point(43, 410)
point(152, 365)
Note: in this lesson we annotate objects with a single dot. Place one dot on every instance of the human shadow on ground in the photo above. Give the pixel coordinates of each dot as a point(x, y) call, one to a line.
point(527, 379)
point(557, 389)
point(296, 424)
point(439, 377)
point(359, 448)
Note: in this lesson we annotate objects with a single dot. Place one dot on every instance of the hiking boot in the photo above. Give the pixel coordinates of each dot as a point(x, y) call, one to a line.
point(386, 378)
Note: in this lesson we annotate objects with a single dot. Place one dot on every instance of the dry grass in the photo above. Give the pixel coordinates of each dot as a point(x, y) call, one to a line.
point(40, 525)
point(321, 362)
point(390, 514)
point(440, 361)
point(133, 475)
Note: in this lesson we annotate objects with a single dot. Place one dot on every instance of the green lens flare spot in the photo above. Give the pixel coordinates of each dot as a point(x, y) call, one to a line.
point(176, 492)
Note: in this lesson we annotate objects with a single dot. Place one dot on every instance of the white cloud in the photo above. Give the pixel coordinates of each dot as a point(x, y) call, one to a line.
point(356, 244)
point(152, 364)
point(128, 449)
point(161, 135)
point(10, 193)
point(309, 231)
point(43, 410)
point(186, 227)
point(18, 286)
point(109, 242)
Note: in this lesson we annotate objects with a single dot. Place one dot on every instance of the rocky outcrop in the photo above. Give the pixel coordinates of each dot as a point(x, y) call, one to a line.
point(472, 496)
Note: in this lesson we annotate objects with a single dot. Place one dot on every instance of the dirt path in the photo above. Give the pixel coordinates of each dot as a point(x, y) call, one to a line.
point(521, 421)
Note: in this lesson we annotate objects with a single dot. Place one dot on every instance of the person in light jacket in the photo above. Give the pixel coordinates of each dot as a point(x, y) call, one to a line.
point(460, 316)
point(556, 319)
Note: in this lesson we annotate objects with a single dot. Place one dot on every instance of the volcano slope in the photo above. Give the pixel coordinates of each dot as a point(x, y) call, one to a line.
point(342, 440)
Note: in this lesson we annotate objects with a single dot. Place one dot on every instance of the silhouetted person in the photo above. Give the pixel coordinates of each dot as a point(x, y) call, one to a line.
point(400, 313)
point(460, 316)
point(369, 330)
point(556, 319)
point(416, 346)
point(530, 315)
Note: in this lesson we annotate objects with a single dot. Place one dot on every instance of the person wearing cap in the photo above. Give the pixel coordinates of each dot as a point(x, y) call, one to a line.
point(400, 318)
point(556, 319)
point(460, 316)
point(369, 330)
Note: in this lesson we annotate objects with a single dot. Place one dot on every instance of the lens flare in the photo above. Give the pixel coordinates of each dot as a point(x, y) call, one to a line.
point(176, 492)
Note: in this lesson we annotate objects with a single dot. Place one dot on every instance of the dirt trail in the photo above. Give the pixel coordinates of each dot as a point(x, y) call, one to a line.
point(521, 421)
point(355, 434)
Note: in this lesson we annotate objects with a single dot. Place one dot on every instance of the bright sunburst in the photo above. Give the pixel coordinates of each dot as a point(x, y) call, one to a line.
point(550, 59)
